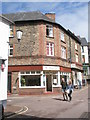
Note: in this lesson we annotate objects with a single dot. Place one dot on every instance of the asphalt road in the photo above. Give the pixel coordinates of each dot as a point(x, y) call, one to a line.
point(51, 106)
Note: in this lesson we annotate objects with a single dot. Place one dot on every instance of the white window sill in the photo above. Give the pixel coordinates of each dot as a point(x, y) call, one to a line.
point(32, 87)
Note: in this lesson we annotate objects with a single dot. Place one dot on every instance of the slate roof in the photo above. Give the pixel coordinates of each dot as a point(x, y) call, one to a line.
point(34, 16)
point(27, 16)
point(83, 41)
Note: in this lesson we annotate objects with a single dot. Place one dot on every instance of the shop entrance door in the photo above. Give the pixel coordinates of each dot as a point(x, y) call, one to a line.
point(49, 83)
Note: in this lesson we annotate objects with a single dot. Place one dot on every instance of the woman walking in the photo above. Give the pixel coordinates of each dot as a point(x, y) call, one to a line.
point(70, 89)
point(64, 87)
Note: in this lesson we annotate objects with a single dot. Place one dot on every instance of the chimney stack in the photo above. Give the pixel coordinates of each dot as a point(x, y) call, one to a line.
point(51, 16)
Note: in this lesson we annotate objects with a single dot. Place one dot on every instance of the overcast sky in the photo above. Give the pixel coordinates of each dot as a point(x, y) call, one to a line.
point(71, 15)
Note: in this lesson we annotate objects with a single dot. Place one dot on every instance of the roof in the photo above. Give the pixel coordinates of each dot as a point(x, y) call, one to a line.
point(6, 20)
point(75, 37)
point(83, 41)
point(27, 16)
point(36, 16)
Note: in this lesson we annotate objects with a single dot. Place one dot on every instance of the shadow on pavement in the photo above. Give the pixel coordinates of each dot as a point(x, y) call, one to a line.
point(25, 117)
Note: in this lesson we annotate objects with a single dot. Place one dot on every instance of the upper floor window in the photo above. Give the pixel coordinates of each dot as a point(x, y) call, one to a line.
point(62, 36)
point(50, 49)
point(76, 57)
point(76, 46)
point(82, 49)
point(10, 50)
point(63, 52)
point(11, 31)
point(49, 31)
point(83, 58)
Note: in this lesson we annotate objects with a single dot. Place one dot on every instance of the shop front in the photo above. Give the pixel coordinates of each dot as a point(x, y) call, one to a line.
point(37, 79)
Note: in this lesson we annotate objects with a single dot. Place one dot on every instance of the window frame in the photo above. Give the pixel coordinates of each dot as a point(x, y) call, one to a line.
point(49, 31)
point(11, 34)
point(24, 73)
point(10, 48)
point(63, 52)
point(76, 46)
point(76, 56)
point(62, 36)
point(50, 48)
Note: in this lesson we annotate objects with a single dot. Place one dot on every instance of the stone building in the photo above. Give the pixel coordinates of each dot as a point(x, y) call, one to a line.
point(44, 54)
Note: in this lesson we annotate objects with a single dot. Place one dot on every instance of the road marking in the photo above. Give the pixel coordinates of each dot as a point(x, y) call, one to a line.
point(19, 112)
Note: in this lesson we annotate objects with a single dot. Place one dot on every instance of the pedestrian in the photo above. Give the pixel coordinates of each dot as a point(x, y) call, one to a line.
point(79, 81)
point(70, 90)
point(64, 87)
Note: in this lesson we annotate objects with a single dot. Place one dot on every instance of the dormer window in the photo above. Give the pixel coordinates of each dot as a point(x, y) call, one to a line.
point(49, 31)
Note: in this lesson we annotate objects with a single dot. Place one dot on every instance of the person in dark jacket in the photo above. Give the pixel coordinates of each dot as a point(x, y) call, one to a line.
point(64, 87)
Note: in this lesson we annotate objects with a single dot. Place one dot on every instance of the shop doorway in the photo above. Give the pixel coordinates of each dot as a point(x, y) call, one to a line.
point(49, 83)
point(9, 82)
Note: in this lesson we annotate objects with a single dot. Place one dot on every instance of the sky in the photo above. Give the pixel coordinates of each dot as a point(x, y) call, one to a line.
point(71, 15)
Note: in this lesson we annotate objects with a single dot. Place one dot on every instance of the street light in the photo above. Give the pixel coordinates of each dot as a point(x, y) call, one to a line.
point(19, 35)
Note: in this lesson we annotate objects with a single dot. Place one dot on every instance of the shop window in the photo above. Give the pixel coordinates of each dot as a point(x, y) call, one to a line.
point(49, 31)
point(55, 79)
point(30, 80)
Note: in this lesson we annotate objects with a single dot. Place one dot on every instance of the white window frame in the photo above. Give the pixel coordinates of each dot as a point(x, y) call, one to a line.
point(11, 31)
point(76, 57)
point(76, 48)
point(49, 46)
point(10, 48)
point(62, 37)
point(50, 30)
point(30, 73)
point(63, 52)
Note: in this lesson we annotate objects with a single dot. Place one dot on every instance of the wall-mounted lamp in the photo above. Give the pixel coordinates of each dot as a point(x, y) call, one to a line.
point(3, 64)
point(19, 35)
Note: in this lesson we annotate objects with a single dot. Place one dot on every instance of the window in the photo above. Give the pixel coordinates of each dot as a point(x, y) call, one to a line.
point(55, 79)
point(49, 31)
point(11, 31)
point(62, 36)
point(30, 80)
point(10, 50)
point(82, 49)
point(75, 46)
point(50, 49)
point(63, 52)
point(83, 58)
point(76, 57)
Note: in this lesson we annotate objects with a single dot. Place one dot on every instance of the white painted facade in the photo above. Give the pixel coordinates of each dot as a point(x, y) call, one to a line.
point(4, 43)
point(85, 53)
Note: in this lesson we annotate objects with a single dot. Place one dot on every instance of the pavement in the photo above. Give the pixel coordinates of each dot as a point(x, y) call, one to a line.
point(12, 110)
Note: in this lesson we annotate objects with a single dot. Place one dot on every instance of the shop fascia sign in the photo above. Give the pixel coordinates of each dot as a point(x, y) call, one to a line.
point(51, 68)
point(73, 66)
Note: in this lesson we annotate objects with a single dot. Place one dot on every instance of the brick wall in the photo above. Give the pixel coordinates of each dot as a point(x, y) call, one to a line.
point(31, 50)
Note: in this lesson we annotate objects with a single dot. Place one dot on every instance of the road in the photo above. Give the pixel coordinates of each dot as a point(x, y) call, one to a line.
point(51, 106)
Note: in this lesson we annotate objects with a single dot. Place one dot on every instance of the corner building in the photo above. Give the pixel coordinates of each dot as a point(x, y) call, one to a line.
point(42, 56)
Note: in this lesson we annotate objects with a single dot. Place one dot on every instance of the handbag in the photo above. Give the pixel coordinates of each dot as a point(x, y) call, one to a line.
point(68, 91)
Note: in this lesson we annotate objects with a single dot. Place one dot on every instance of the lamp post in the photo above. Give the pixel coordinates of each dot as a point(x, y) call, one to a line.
point(19, 35)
